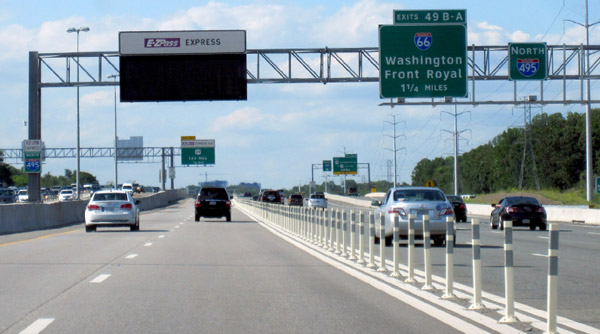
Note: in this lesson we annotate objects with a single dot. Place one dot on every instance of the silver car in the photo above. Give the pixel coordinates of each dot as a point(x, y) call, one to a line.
point(317, 200)
point(109, 208)
point(418, 201)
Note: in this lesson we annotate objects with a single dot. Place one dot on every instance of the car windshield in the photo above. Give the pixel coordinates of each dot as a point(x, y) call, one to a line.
point(213, 194)
point(110, 197)
point(521, 200)
point(417, 195)
point(6, 192)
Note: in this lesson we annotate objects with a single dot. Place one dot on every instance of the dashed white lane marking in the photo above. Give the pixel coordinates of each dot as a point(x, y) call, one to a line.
point(594, 233)
point(131, 256)
point(540, 255)
point(148, 244)
point(37, 326)
point(543, 237)
point(161, 236)
point(100, 278)
point(177, 226)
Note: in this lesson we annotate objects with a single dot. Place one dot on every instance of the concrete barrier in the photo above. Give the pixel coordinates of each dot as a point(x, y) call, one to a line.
point(556, 213)
point(24, 217)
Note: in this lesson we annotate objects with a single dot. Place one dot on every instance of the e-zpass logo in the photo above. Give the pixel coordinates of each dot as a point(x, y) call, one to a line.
point(161, 42)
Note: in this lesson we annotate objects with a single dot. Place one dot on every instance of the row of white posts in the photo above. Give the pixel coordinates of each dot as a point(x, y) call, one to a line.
point(328, 228)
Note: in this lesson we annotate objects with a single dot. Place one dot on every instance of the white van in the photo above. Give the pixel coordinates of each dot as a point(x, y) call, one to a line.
point(127, 187)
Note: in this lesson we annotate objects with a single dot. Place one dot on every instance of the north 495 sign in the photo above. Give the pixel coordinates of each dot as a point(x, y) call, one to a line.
point(527, 61)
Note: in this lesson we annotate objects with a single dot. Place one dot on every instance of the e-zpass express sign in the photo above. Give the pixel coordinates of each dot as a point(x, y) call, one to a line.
point(182, 42)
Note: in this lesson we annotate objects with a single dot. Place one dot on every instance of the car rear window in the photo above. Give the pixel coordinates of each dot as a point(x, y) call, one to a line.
point(110, 197)
point(213, 194)
point(296, 197)
point(417, 195)
point(522, 200)
point(317, 196)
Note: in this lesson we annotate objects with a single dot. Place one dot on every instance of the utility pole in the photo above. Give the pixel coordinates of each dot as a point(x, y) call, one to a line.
point(394, 150)
point(456, 137)
point(528, 145)
point(589, 169)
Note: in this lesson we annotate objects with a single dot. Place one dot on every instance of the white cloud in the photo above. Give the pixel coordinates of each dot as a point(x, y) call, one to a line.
point(99, 98)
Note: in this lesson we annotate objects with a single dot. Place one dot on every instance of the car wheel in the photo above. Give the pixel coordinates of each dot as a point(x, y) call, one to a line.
point(501, 224)
point(542, 226)
point(492, 224)
point(376, 240)
point(228, 217)
point(388, 241)
point(438, 241)
point(89, 228)
point(134, 228)
point(532, 227)
point(197, 217)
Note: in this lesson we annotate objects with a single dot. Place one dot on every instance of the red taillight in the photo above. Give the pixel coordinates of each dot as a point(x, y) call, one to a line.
point(198, 204)
point(462, 206)
point(93, 207)
point(446, 211)
point(127, 206)
point(540, 209)
point(511, 209)
point(228, 203)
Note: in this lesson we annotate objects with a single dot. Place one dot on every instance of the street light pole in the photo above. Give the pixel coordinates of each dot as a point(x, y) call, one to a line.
point(70, 30)
point(114, 77)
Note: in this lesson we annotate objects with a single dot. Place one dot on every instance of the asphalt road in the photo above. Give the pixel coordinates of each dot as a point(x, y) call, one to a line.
point(579, 265)
point(179, 276)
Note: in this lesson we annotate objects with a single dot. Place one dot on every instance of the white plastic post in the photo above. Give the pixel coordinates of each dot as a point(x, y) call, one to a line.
point(382, 265)
point(331, 229)
point(411, 250)
point(427, 253)
point(476, 244)
point(371, 241)
point(449, 259)
point(552, 278)
point(396, 247)
point(509, 275)
point(344, 230)
point(337, 231)
point(352, 235)
point(361, 237)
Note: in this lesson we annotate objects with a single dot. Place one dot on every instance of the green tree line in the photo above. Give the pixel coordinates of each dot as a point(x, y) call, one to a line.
point(558, 143)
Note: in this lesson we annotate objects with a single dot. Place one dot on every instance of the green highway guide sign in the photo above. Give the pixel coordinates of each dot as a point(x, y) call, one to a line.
point(430, 16)
point(345, 165)
point(327, 165)
point(197, 151)
point(423, 60)
point(527, 61)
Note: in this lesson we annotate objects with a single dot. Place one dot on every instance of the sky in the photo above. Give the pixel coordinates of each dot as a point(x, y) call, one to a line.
point(275, 136)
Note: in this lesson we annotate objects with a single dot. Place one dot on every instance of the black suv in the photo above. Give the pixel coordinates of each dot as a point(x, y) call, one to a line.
point(213, 203)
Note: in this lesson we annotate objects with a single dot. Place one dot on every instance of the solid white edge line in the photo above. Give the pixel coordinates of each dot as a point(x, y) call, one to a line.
point(37, 326)
point(525, 313)
point(100, 278)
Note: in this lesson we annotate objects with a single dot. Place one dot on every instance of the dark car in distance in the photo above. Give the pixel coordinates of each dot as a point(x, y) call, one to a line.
point(521, 210)
point(295, 199)
point(270, 196)
point(213, 202)
point(459, 206)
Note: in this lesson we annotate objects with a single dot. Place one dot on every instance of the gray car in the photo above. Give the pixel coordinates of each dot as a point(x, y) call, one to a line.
point(418, 201)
